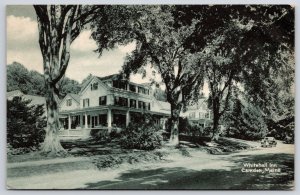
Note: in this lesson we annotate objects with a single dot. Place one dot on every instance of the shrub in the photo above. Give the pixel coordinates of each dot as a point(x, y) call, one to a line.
point(99, 134)
point(144, 135)
point(207, 131)
point(25, 124)
point(184, 126)
point(196, 130)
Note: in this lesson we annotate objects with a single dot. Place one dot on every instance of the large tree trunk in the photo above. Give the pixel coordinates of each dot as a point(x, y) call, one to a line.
point(215, 135)
point(58, 25)
point(216, 118)
point(51, 145)
point(174, 136)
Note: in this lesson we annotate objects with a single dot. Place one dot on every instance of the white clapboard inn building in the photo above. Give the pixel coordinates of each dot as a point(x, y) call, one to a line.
point(199, 114)
point(106, 102)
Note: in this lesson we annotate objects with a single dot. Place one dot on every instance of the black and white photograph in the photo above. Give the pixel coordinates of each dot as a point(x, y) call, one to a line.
point(150, 97)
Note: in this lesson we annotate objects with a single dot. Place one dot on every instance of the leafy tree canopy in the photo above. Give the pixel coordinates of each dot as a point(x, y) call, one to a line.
point(32, 82)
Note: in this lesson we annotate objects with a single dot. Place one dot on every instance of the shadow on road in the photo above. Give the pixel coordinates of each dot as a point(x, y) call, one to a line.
point(213, 179)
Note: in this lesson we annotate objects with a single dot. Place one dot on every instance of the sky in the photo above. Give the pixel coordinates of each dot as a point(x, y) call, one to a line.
point(23, 47)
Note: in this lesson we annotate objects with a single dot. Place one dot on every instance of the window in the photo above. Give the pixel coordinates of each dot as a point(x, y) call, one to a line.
point(140, 104)
point(119, 120)
point(141, 90)
point(192, 115)
point(75, 121)
point(132, 103)
point(102, 100)
point(120, 84)
point(201, 115)
point(69, 102)
point(144, 105)
point(64, 122)
point(149, 106)
point(86, 102)
point(206, 115)
point(94, 86)
point(132, 88)
point(88, 120)
point(121, 101)
point(103, 119)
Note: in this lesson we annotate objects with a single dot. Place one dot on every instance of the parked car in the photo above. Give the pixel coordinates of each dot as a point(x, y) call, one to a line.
point(268, 142)
point(288, 140)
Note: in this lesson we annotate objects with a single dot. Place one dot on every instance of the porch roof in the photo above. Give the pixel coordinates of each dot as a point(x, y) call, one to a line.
point(100, 108)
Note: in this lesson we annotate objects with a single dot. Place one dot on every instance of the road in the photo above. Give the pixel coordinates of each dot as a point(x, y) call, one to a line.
point(200, 171)
point(213, 172)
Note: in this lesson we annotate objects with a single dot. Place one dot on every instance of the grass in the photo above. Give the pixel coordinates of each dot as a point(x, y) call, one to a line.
point(31, 156)
point(105, 155)
point(92, 147)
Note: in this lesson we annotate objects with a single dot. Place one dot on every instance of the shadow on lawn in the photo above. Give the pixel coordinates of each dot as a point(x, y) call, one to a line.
point(92, 147)
point(213, 179)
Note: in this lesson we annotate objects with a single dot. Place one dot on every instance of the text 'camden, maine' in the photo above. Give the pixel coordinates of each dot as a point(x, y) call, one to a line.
point(150, 97)
point(260, 168)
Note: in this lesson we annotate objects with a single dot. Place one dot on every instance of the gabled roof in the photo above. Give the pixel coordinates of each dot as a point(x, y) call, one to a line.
point(35, 100)
point(83, 85)
point(14, 93)
point(109, 77)
point(113, 76)
point(75, 97)
point(89, 81)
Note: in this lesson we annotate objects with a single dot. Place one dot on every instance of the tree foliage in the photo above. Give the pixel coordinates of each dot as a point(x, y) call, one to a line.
point(19, 78)
point(32, 82)
point(240, 48)
point(245, 121)
point(244, 46)
point(160, 42)
point(25, 123)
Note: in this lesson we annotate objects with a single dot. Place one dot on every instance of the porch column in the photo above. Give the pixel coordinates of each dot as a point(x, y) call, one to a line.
point(81, 120)
point(109, 120)
point(69, 121)
point(127, 118)
point(163, 123)
point(85, 121)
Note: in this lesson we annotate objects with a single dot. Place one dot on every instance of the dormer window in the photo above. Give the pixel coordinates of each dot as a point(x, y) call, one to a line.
point(143, 90)
point(69, 102)
point(94, 86)
point(120, 84)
